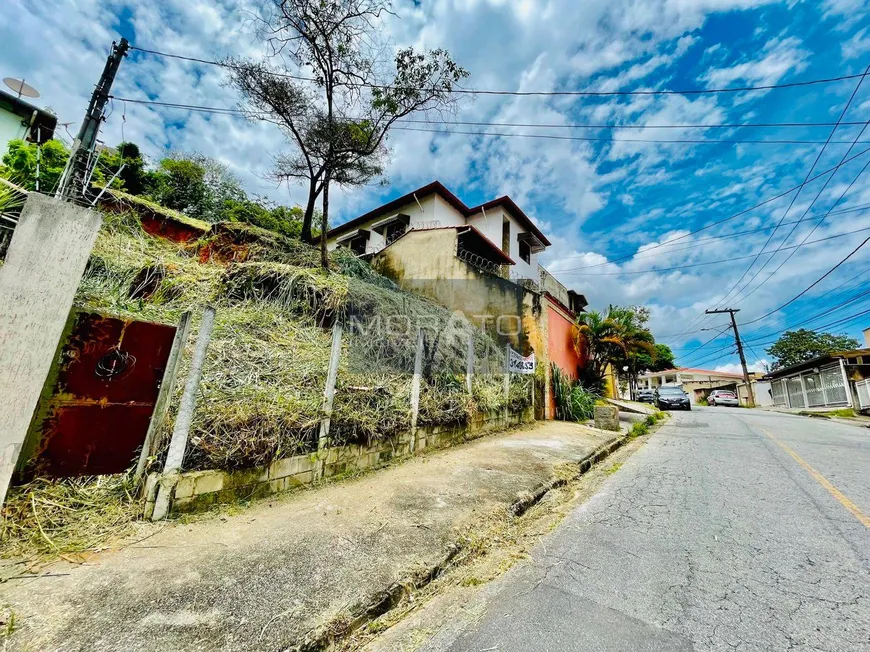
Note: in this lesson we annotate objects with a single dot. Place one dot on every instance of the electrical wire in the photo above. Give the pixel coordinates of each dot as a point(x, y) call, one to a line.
point(639, 254)
point(804, 241)
point(709, 262)
point(700, 319)
point(806, 180)
point(743, 212)
point(812, 285)
point(471, 91)
point(757, 337)
point(490, 134)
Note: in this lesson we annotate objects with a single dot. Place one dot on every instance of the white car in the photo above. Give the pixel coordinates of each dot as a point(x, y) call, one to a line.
point(722, 397)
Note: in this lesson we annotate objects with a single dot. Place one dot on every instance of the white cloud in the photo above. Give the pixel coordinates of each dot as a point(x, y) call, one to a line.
point(856, 46)
point(760, 366)
point(781, 57)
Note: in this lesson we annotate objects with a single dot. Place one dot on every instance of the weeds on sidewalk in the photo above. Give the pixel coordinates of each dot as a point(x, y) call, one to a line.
point(640, 428)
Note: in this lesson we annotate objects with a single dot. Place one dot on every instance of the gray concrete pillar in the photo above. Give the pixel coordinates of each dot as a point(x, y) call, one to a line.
point(43, 268)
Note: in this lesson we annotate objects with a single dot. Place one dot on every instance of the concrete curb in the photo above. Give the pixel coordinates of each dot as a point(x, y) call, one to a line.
point(384, 601)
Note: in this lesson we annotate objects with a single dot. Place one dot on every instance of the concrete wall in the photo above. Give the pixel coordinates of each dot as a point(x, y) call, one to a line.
point(200, 489)
point(44, 264)
point(561, 349)
point(425, 262)
point(761, 391)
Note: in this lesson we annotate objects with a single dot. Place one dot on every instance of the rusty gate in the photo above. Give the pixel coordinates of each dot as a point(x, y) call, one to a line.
point(100, 396)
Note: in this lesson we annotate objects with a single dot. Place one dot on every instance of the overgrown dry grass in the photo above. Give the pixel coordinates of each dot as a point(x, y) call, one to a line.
point(263, 380)
point(67, 516)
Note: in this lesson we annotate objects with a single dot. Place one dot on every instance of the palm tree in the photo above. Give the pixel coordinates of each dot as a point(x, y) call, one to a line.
point(631, 339)
point(615, 337)
point(594, 339)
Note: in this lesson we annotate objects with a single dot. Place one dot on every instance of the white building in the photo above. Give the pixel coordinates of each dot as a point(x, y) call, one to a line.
point(697, 383)
point(499, 221)
point(21, 120)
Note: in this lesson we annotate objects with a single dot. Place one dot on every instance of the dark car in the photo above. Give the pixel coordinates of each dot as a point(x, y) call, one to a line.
point(646, 396)
point(672, 398)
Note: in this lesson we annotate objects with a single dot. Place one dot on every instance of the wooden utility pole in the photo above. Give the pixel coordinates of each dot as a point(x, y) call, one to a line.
point(75, 178)
point(746, 380)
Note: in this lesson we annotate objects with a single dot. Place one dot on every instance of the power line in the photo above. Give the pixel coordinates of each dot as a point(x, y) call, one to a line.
point(614, 125)
point(471, 91)
point(639, 254)
point(680, 141)
point(812, 285)
point(710, 262)
point(824, 311)
point(756, 338)
point(815, 226)
point(689, 141)
point(807, 177)
point(746, 210)
point(842, 115)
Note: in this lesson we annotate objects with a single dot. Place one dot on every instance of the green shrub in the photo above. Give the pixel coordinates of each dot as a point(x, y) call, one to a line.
point(638, 428)
point(573, 401)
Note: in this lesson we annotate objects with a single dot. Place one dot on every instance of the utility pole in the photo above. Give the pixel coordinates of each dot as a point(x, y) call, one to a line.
point(74, 182)
point(746, 380)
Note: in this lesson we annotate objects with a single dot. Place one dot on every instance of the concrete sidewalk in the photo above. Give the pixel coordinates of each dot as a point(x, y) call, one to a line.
point(264, 577)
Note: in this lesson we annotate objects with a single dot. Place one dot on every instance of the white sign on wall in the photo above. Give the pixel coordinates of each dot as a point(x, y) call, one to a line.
point(517, 364)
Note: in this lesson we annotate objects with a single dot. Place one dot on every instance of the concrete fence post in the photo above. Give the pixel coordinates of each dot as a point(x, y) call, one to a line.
point(328, 397)
point(469, 362)
point(164, 396)
point(415, 388)
point(507, 379)
point(44, 265)
point(181, 429)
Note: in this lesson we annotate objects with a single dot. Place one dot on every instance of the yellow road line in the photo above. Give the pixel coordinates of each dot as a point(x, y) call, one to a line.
point(822, 480)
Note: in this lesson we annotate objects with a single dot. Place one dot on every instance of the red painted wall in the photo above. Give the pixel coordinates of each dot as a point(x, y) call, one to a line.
point(560, 331)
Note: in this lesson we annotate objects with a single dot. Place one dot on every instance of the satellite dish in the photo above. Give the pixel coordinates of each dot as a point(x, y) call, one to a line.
point(20, 87)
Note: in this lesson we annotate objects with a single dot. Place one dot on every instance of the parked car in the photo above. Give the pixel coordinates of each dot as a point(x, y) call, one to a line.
point(672, 398)
point(722, 397)
point(646, 395)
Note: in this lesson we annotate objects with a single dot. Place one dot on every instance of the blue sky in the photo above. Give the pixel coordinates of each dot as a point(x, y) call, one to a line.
point(606, 203)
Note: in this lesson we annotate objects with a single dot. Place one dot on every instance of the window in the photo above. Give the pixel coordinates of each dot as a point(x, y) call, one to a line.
point(525, 252)
point(394, 230)
point(506, 237)
point(358, 245)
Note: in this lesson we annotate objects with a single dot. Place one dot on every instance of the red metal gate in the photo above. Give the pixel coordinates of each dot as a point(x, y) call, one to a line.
point(104, 387)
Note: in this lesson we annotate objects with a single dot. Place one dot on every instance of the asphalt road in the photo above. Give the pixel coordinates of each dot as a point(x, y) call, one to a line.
point(730, 529)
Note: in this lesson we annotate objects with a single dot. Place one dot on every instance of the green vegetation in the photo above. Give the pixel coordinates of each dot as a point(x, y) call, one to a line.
point(794, 347)
point(19, 163)
point(185, 186)
point(618, 337)
point(613, 469)
point(69, 516)
point(843, 413)
point(263, 380)
point(640, 428)
point(573, 401)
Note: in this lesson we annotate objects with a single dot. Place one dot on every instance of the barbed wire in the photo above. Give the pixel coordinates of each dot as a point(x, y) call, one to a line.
point(479, 262)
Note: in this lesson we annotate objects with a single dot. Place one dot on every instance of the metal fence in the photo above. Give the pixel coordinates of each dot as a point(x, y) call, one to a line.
point(824, 387)
point(862, 388)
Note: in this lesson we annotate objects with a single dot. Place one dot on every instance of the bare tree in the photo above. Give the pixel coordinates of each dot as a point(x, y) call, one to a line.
point(338, 118)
